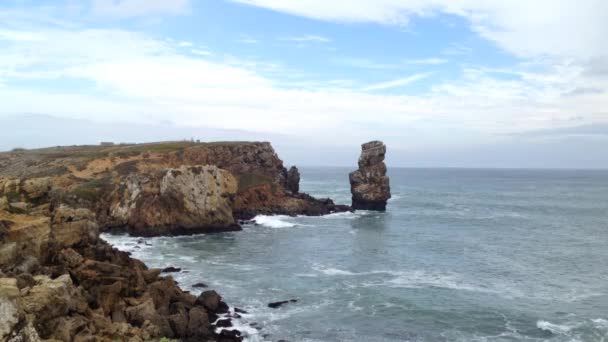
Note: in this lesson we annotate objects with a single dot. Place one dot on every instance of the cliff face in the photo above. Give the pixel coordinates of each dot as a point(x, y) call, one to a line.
point(369, 184)
point(158, 189)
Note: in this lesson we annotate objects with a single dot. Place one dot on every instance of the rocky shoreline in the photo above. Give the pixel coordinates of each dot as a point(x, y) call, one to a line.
point(60, 281)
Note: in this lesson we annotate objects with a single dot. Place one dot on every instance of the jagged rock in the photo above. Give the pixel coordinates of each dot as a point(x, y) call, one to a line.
point(293, 180)
point(36, 188)
point(72, 226)
point(369, 184)
point(9, 310)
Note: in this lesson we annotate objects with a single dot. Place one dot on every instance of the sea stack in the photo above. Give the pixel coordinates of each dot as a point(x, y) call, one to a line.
point(369, 184)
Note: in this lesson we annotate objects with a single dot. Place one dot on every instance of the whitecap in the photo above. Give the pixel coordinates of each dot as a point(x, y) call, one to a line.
point(551, 327)
point(275, 221)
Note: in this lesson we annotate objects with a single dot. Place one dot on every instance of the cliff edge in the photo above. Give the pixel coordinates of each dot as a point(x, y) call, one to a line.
point(167, 188)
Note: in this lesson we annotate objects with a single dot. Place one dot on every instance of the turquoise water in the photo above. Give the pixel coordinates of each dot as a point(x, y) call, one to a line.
point(460, 255)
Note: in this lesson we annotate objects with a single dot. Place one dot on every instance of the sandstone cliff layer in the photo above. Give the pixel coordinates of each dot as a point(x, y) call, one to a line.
point(369, 184)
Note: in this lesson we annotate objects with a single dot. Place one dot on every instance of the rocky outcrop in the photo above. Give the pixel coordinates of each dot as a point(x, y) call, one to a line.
point(293, 180)
point(61, 284)
point(369, 184)
point(158, 188)
point(184, 200)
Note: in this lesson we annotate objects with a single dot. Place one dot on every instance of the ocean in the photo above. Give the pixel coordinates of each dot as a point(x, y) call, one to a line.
point(460, 255)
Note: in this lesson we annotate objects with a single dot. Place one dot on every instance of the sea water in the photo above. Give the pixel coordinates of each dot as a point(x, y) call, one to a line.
point(460, 255)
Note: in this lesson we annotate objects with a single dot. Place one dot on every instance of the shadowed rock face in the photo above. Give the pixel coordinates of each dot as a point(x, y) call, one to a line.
point(369, 184)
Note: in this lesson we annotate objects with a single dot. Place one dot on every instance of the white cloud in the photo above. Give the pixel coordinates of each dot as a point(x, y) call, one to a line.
point(427, 61)
point(247, 41)
point(400, 82)
point(184, 44)
point(307, 38)
point(135, 8)
point(140, 79)
point(200, 52)
point(526, 28)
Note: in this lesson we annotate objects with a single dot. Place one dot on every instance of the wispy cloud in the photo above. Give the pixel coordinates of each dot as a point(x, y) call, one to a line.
point(184, 44)
point(135, 8)
point(200, 52)
point(247, 41)
point(400, 82)
point(307, 38)
point(427, 61)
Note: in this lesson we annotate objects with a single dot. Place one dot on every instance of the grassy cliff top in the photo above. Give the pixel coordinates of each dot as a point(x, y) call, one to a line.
point(59, 160)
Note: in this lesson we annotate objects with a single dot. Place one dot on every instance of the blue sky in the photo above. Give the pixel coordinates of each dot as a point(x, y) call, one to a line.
point(459, 80)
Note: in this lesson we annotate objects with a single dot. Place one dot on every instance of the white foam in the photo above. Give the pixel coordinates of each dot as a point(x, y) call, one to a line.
point(274, 221)
point(554, 328)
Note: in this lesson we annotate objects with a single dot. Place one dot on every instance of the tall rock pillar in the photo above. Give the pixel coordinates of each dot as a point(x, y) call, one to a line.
point(369, 184)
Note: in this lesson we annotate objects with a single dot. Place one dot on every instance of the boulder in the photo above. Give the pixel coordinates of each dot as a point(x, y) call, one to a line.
point(369, 184)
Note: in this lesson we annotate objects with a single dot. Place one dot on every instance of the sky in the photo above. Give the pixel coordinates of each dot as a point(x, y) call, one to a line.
point(452, 83)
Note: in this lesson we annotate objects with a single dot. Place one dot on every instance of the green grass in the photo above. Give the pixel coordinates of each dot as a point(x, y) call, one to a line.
point(91, 190)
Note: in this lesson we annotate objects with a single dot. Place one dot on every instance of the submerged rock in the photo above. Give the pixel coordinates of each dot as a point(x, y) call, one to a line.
point(275, 305)
point(369, 184)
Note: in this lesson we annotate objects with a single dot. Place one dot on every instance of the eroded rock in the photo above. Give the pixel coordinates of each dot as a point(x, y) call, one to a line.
point(369, 184)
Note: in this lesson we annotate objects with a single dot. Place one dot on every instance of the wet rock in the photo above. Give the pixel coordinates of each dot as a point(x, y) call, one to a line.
point(241, 311)
point(171, 269)
point(210, 300)
point(200, 285)
point(275, 305)
point(369, 184)
point(230, 336)
point(223, 323)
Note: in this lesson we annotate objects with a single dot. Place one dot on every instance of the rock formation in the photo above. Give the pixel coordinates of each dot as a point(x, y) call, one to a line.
point(369, 184)
point(293, 180)
point(184, 200)
point(159, 188)
point(59, 281)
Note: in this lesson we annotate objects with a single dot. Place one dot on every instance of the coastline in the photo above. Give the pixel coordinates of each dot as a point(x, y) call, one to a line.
point(56, 271)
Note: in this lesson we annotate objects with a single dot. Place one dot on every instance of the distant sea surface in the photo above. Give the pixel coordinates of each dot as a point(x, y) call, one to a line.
point(460, 255)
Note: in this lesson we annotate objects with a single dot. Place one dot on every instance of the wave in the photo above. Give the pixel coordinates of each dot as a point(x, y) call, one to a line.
point(554, 328)
point(274, 221)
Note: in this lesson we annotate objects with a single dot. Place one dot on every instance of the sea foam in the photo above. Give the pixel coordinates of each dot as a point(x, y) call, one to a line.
point(275, 221)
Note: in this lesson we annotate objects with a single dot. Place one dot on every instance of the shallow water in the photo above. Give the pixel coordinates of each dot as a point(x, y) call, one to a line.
point(460, 255)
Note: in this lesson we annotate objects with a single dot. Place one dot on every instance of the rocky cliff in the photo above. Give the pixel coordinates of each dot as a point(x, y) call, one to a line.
point(159, 188)
point(369, 184)
point(59, 281)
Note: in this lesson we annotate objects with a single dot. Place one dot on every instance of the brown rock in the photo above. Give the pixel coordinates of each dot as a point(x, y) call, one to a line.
point(293, 180)
point(72, 226)
point(210, 300)
point(369, 184)
point(198, 322)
